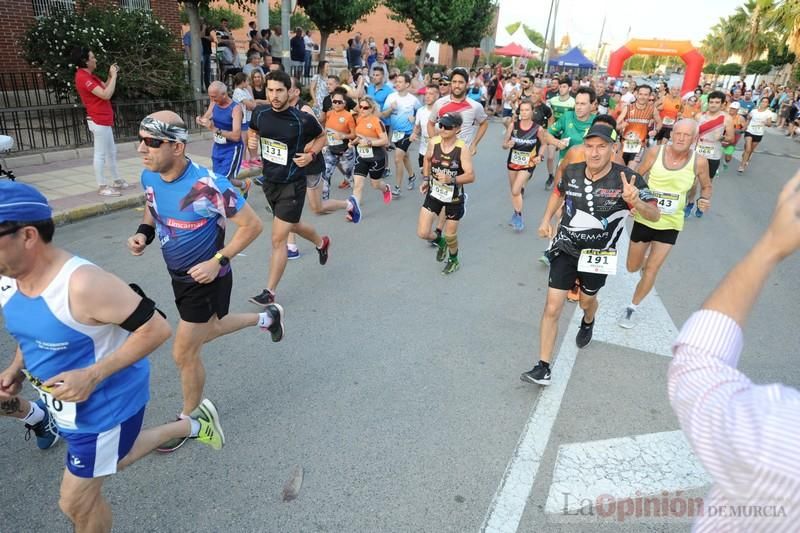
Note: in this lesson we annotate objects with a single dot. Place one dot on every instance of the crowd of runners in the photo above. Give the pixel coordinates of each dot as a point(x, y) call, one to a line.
point(613, 150)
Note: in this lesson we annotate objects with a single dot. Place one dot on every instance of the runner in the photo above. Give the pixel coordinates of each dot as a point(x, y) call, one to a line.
point(715, 127)
point(33, 414)
point(634, 122)
point(448, 167)
point(187, 209)
point(598, 196)
point(603, 98)
point(522, 140)
point(96, 383)
point(340, 127)
point(669, 108)
point(224, 119)
point(746, 103)
point(738, 129)
point(573, 124)
point(379, 91)
point(757, 120)
point(421, 134)
point(671, 171)
point(369, 143)
point(511, 90)
point(560, 104)
point(283, 131)
point(401, 106)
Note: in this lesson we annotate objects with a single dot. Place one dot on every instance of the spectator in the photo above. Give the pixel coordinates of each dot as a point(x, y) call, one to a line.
point(205, 60)
point(265, 34)
point(224, 32)
point(386, 51)
point(253, 64)
point(398, 52)
point(309, 53)
point(275, 45)
point(353, 54)
point(255, 44)
point(319, 89)
point(229, 59)
point(476, 56)
point(297, 52)
point(379, 63)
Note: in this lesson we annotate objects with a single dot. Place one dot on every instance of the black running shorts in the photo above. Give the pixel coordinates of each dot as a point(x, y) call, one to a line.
point(642, 233)
point(564, 272)
point(198, 302)
point(286, 199)
point(451, 211)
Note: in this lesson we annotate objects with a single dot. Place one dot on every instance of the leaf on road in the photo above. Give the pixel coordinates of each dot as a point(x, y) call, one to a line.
point(292, 486)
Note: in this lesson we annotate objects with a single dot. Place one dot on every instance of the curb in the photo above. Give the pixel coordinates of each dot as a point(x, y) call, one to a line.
point(101, 208)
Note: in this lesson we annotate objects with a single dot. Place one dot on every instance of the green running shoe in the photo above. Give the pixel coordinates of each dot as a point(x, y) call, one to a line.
point(451, 266)
point(441, 251)
point(210, 430)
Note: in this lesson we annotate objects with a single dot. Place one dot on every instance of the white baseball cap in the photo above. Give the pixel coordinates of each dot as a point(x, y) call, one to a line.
point(735, 105)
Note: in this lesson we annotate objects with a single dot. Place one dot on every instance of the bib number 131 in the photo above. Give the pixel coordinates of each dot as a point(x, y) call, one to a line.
point(598, 262)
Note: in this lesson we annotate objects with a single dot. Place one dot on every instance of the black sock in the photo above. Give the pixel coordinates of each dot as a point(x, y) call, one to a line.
point(518, 212)
point(544, 363)
point(550, 176)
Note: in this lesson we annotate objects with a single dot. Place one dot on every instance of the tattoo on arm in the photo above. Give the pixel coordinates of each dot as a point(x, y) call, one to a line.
point(10, 407)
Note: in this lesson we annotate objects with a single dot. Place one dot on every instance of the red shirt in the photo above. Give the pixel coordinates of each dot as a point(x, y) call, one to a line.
point(98, 110)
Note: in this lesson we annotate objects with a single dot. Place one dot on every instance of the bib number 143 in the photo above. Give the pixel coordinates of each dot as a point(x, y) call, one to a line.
point(598, 262)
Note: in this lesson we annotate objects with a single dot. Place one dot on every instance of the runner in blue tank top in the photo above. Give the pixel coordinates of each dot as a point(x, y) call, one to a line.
point(73, 322)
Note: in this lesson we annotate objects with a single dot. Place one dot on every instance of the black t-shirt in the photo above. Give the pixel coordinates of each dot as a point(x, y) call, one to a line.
point(542, 114)
point(297, 48)
point(551, 93)
point(349, 103)
point(603, 100)
point(282, 135)
point(594, 211)
point(259, 94)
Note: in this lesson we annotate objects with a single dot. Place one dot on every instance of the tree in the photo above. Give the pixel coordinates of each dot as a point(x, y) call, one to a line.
point(512, 28)
point(331, 16)
point(472, 19)
point(535, 37)
point(780, 55)
point(758, 67)
point(729, 69)
point(213, 16)
point(428, 20)
point(751, 22)
point(710, 68)
point(297, 19)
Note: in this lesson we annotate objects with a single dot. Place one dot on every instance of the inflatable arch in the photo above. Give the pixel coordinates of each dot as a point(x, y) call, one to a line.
point(694, 60)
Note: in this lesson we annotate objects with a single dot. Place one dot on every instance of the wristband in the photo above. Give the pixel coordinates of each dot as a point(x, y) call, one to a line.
point(148, 231)
point(426, 179)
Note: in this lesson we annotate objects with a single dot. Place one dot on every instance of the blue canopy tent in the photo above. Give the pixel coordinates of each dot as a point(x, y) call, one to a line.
point(574, 59)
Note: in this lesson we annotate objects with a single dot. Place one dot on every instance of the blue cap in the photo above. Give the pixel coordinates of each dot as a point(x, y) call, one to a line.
point(22, 203)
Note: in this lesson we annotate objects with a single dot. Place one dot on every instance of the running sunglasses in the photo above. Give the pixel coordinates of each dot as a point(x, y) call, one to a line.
point(337, 101)
point(444, 83)
point(448, 128)
point(152, 142)
point(365, 107)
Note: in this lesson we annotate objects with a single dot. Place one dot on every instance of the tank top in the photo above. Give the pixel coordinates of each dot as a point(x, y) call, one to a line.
point(758, 120)
point(709, 142)
point(52, 341)
point(525, 145)
point(669, 188)
point(448, 164)
point(260, 94)
point(669, 110)
point(638, 123)
point(223, 119)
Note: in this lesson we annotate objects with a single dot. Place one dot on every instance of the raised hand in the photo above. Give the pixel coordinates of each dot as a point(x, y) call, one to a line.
point(630, 193)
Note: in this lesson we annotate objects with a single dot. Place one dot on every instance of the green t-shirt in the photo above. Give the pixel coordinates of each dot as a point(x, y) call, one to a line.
point(569, 127)
point(560, 107)
point(704, 102)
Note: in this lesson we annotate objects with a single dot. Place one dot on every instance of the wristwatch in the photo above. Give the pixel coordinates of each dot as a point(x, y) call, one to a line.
point(223, 261)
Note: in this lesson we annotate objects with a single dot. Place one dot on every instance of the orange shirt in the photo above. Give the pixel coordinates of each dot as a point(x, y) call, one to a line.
point(638, 121)
point(689, 111)
point(340, 121)
point(370, 127)
point(670, 109)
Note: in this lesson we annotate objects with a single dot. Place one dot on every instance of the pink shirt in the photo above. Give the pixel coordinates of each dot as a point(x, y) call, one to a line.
point(746, 436)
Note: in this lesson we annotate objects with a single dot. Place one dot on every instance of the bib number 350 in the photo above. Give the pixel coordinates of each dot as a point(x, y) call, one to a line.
point(598, 262)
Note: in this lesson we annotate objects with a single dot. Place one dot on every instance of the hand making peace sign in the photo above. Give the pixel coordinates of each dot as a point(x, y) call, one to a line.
point(630, 193)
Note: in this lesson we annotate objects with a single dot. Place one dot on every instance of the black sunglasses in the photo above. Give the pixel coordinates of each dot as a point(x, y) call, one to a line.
point(151, 142)
point(444, 83)
point(365, 107)
point(337, 101)
point(11, 230)
point(448, 128)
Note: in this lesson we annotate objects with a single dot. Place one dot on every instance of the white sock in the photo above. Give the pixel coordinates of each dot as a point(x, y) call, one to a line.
point(35, 415)
point(349, 205)
point(632, 306)
point(292, 247)
point(195, 427)
point(264, 320)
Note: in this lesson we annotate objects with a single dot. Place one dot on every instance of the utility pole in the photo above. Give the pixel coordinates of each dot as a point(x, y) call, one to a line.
point(286, 30)
point(546, 33)
point(600, 43)
point(553, 33)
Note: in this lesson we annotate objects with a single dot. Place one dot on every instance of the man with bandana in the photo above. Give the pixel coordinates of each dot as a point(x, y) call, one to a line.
point(187, 209)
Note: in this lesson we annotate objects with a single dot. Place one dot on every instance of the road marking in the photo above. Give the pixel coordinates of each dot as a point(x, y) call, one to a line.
point(508, 503)
point(640, 465)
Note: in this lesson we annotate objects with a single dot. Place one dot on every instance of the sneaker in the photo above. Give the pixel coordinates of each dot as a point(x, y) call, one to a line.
point(687, 211)
point(247, 183)
point(108, 191)
point(245, 165)
point(512, 219)
point(698, 213)
point(387, 194)
point(584, 336)
point(275, 312)
point(435, 242)
point(291, 255)
point(540, 374)
point(173, 444)
point(387, 172)
point(412, 180)
point(265, 298)
point(323, 252)
point(544, 260)
point(441, 251)
point(210, 430)
point(451, 266)
point(516, 222)
point(549, 183)
point(259, 180)
point(344, 184)
point(121, 184)
point(45, 430)
point(396, 192)
point(355, 212)
point(626, 320)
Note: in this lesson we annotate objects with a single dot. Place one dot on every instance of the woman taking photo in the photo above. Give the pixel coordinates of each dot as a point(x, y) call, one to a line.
point(96, 98)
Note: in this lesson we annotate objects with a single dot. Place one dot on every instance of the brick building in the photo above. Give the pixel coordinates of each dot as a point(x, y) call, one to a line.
point(19, 14)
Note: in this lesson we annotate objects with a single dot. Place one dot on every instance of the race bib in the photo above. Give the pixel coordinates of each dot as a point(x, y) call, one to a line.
point(632, 146)
point(598, 262)
point(757, 129)
point(442, 192)
point(365, 152)
point(667, 201)
point(668, 121)
point(64, 413)
point(274, 151)
point(518, 157)
point(569, 141)
point(704, 150)
point(333, 141)
point(219, 139)
point(397, 135)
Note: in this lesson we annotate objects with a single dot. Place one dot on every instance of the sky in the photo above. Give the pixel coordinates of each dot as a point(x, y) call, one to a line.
point(582, 19)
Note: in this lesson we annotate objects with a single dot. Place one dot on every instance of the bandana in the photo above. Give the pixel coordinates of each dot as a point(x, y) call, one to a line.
point(162, 130)
point(22, 203)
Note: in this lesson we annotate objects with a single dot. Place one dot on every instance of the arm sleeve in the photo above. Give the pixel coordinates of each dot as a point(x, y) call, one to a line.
point(644, 192)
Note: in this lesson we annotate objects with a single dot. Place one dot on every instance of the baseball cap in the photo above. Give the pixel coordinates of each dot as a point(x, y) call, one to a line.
point(735, 105)
point(19, 202)
point(602, 130)
point(451, 120)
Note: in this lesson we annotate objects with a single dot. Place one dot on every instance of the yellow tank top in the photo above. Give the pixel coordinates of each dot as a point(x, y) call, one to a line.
point(670, 188)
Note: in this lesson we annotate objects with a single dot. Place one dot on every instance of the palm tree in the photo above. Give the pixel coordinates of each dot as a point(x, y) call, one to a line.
point(785, 18)
point(751, 22)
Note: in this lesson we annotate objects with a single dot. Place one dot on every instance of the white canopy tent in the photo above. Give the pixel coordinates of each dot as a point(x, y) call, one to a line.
point(502, 38)
point(521, 38)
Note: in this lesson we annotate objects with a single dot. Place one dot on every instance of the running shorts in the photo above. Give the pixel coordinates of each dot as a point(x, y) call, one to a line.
point(713, 166)
point(404, 143)
point(564, 272)
point(374, 168)
point(452, 211)
point(664, 133)
point(756, 138)
point(226, 161)
point(643, 233)
point(198, 302)
point(286, 199)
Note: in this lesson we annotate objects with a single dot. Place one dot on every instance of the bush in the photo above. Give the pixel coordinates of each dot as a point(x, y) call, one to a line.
point(151, 67)
point(213, 17)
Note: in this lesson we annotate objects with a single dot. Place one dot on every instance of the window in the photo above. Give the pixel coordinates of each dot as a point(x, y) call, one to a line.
point(131, 5)
point(42, 8)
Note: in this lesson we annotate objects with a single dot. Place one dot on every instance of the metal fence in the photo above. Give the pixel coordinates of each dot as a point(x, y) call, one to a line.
point(37, 129)
point(27, 89)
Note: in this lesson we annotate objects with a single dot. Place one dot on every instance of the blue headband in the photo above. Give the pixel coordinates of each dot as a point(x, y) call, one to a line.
point(22, 203)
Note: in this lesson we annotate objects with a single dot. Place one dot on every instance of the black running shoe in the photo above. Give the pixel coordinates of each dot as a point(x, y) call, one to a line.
point(549, 183)
point(584, 336)
point(275, 312)
point(540, 374)
point(323, 252)
point(263, 299)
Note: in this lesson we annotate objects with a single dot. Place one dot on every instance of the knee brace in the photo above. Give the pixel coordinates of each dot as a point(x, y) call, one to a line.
point(452, 241)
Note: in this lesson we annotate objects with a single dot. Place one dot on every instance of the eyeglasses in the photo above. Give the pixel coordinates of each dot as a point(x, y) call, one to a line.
point(152, 142)
point(337, 102)
point(365, 107)
point(11, 230)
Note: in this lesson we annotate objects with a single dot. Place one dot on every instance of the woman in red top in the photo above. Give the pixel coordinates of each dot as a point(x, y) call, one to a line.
point(96, 98)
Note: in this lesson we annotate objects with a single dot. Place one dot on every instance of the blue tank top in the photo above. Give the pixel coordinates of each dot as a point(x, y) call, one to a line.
point(52, 341)
point(223, 119)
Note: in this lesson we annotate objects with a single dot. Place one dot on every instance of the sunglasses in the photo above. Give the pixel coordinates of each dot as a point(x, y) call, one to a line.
point(444, 83)
point(365, 107)
point(11, 230)
point(337, 101)
point(448, 128)
point(151, 142)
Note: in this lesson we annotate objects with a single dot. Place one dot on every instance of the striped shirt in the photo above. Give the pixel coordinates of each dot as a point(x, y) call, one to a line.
point(745, 435)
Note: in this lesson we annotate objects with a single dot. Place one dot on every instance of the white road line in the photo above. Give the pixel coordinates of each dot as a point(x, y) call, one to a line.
point(508, 503)
point(640, 465)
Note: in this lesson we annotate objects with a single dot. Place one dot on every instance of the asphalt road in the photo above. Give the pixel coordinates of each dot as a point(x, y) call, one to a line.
point(396, 388)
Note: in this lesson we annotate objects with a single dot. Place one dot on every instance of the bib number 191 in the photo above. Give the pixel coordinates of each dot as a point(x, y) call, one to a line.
point(598, 262)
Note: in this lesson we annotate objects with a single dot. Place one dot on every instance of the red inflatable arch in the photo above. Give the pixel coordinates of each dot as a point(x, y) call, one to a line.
point(694, 60)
